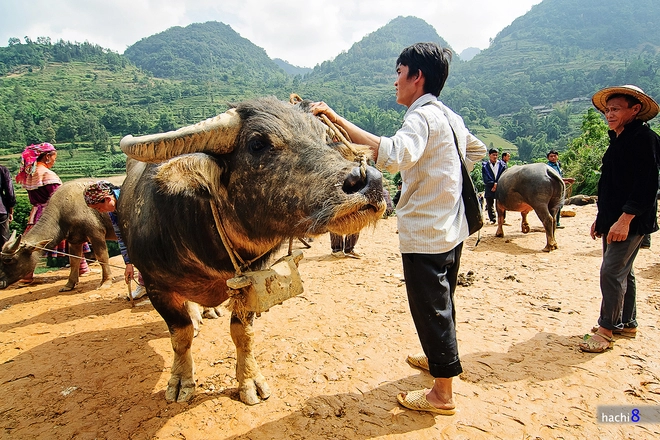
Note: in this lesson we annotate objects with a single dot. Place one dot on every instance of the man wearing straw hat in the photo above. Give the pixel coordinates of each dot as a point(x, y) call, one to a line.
point(626, 207)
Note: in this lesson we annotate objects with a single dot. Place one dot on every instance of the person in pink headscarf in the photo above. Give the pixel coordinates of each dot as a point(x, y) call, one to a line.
point(36, 176)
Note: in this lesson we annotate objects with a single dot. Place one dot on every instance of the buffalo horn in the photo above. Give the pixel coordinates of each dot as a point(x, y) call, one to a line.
point(12, 244)
point(215, 135)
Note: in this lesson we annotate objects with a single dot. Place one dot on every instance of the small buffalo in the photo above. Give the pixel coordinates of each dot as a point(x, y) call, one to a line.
point(531, 187)
point(66, 217)
point(259, 174)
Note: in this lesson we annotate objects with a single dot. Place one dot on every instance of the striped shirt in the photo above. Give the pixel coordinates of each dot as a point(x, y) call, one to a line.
point(430, 212)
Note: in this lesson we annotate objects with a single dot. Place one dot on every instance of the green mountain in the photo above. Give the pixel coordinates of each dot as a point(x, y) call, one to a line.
point(365, 74)
point(210, 51)
point(290, 68)
point(371, 61)
point(563, 50)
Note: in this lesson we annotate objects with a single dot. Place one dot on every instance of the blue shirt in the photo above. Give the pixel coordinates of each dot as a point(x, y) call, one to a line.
point(555, 166)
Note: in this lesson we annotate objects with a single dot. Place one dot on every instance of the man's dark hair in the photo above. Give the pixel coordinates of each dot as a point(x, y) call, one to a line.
point(631, 100)
point(551, 152)
point(505, 154)
point(492, 150)
point(432, 60)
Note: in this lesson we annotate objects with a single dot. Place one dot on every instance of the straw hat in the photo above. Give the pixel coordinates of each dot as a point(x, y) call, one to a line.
point(649, 106)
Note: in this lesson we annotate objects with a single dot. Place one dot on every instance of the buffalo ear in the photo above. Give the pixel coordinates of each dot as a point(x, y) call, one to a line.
point(192, 175)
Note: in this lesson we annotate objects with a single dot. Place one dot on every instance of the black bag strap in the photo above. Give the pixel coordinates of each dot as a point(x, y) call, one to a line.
point(458, 149)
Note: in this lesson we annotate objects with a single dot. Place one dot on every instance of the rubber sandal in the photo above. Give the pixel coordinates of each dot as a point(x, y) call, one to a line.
point(590, 345)
point(416, 400)
point(626, 332)
point(418, 360)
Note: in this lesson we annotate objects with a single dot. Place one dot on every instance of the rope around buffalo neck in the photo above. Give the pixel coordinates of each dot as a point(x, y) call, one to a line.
point(61, 253)
point(233, 255)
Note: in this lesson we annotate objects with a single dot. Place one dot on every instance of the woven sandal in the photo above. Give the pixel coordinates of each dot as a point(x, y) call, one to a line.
point(416, 400)
point(590, 345)
point(626, 332)
point(418, 360)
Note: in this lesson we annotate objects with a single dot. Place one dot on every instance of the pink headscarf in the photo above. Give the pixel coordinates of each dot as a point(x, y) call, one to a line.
point(29, 161)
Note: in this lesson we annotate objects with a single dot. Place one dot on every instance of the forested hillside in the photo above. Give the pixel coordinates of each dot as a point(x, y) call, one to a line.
point(365, 74)
point(566, 49)
point(526, 93)
point(211, 52)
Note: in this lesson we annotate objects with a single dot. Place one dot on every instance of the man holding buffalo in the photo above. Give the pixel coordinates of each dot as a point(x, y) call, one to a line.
point(430, 212)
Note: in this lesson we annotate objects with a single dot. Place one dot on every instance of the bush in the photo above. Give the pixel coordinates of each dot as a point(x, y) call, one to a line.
point(583, 159)
point(21, 213)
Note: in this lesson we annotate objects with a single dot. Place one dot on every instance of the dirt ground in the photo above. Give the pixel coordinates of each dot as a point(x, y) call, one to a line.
point(85, 365)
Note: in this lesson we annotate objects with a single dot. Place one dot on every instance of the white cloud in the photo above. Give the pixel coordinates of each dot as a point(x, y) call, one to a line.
point(303, 32)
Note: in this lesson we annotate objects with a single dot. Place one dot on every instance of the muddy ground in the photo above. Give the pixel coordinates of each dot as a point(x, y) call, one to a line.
point(85, 365)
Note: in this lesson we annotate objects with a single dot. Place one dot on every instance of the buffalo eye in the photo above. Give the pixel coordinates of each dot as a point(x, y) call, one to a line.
point(258, 144)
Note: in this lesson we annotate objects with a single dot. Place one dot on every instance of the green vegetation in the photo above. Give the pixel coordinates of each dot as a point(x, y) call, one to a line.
point(564, 50)
point(527, 93)
point(582, 161)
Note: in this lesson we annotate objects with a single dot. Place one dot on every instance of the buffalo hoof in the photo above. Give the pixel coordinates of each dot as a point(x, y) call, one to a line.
point(525, 229)
point(212, 312)
point(499, 233)
point(67, 288)
point(549, 248)
point(253, 391)
point(106, 284)
point(179, 390)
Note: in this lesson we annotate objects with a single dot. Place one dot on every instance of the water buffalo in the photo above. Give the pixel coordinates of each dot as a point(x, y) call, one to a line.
point(268, 171)
point(65, 217)
point(526, 187)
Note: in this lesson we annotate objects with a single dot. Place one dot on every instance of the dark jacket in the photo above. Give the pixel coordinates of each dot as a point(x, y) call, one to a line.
point(7, 197)
point(629, 179)
point(491, 178)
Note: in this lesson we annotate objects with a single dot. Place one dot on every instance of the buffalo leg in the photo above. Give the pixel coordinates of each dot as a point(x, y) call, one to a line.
point(74, 263)
point(172, 308)
point(524, 224)
point(501, 211)
point(549, 223)
point(195, 312)
point(250, 379)
point(101, 251)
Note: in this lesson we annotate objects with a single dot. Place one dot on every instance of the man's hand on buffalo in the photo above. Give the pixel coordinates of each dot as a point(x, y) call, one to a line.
point(321, 108)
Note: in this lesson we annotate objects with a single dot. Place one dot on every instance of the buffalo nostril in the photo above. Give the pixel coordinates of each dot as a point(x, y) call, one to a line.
point(371, 185)
point(354, 182)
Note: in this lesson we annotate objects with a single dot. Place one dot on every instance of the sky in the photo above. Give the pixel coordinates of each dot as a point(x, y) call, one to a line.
point(302, 32)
